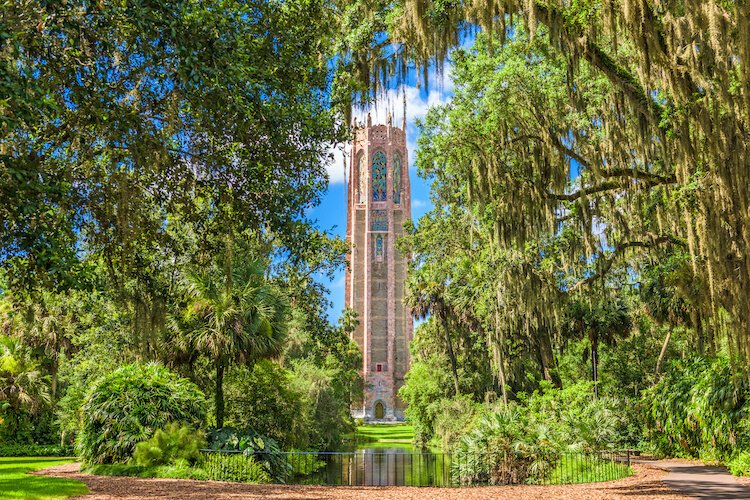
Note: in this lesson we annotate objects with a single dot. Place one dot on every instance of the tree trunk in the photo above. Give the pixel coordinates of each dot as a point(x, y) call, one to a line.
point(547, 358)
point(451, 354)
point(595, 365)
point(501, 375)
point(53, 380)
point(695, 318)
point(663, 352)
point(219, 395)
point(499, 349)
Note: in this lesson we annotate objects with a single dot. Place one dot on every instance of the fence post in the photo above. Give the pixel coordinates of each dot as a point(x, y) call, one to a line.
point(628, 451)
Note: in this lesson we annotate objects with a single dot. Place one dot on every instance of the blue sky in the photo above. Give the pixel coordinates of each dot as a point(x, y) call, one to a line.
point(331, 213)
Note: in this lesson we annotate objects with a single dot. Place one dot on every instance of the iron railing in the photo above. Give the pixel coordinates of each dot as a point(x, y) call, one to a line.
point(397, 468)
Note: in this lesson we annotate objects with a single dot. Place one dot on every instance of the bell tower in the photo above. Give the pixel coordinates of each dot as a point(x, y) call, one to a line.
point(379, 201)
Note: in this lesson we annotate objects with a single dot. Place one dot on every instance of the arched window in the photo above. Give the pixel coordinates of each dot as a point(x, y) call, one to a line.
point(379, 250)
point(378, 176)
point(379, 410)
point(397, 178)
point(362, 180)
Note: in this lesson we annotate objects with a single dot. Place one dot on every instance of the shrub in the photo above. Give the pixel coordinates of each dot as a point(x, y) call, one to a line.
point(223, 466)
point(265, 449)
point(740, 464)
point(128, 405)
point(169, 445)
point(699, 408)
point(504, 447)
point(455, 416)
point(35, 450)
point(305, 464)
point(179, 470)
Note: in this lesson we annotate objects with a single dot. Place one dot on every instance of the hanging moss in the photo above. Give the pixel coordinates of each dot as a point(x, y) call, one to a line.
point(661, 93)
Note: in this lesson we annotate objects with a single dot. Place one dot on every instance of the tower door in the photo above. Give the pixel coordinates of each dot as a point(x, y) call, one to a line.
point(379, 410)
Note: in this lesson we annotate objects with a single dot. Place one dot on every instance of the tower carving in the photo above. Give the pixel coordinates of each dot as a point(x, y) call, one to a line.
point(379, 201)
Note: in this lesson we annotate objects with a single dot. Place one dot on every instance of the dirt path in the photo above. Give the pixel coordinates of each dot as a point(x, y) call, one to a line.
point(701, 481)
point(646, 484)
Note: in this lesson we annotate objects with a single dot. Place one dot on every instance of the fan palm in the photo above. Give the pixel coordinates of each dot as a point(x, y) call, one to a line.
point(601, 322)
point(23, 388)
point(231, 317)
point(425, 297)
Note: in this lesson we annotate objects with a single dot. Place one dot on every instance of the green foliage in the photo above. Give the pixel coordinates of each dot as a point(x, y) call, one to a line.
point(179, 470)
point(523, 441)
point(231, 439)
point(305, 464)
point(24, 390)
point(18, 483)
point(700, 408)
point(504, 447)
point(264, 449)
point(35, 450)
point(326, 391)
point(218, 73)
point(233, 313)
point(238, 467)
point(454, 417)
point(129, 405)
point(739, 465)
point(427, 382)
point(575, 468)
point(263, 399)
point(169, 445)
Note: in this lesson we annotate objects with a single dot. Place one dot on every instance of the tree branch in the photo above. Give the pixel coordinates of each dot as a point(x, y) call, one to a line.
point(619, 249)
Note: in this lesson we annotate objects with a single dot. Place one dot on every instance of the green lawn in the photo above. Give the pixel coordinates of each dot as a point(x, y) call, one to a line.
point(16, 483)
point(385, 433)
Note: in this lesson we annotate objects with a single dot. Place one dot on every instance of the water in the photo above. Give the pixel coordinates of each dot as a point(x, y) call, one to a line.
point(383, 466)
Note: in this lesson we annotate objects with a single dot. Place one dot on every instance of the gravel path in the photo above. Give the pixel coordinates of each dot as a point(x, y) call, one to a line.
point(702, 481)
point(645, 484)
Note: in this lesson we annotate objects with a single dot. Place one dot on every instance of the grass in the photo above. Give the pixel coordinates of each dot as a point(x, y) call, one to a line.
point(16, 483)
point(572, 469)
point(385, 433)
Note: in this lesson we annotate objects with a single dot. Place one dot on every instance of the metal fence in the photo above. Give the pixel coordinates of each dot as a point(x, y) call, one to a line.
point(396, 468)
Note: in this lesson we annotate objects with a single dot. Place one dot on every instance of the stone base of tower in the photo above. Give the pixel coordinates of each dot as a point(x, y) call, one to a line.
point(381, 402)
point(393, 416)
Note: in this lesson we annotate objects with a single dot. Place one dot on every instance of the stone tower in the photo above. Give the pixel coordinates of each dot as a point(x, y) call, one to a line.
point(379, 201)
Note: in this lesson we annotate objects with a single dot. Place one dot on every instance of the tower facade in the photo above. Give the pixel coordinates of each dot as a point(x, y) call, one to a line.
point(379, 201)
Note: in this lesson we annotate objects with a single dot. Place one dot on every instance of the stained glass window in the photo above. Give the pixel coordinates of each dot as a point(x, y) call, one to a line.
point(396, 178)
point(378, 176)
point(379, 247)
point(362, 181)
point(379, 220)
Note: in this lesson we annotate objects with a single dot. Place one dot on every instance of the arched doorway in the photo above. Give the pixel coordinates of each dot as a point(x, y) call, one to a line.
point(379, 410)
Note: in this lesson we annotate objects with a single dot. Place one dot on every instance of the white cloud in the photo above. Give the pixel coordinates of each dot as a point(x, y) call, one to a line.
point(418, 203)
point(417, 104)
point(338, 166)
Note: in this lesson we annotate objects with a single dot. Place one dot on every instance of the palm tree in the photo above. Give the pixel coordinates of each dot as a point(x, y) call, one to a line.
point(23, 388)
point(426, 297)
point(49, 326)
point(601, 322)
point(232, 316)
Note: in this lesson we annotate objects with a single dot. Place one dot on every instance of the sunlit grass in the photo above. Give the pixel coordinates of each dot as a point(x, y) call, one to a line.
point(16, 483)
point(385, 433)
